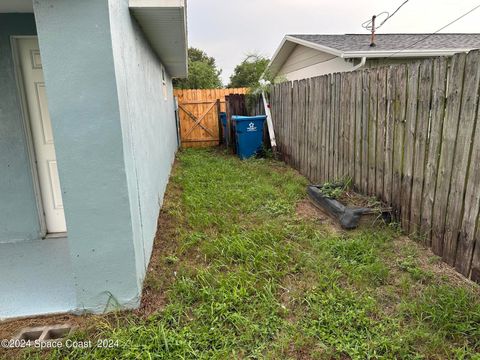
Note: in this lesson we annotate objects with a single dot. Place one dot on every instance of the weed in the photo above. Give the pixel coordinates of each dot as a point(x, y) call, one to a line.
point(410, 266)
point(333, 190)
point(171, 259)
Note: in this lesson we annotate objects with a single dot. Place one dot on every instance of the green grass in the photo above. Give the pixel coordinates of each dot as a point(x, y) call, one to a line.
point(254, 280)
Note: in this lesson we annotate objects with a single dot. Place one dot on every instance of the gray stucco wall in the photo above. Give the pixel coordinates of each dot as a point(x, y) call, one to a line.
point(76, 48)
point(148, 126)
point(18, 211)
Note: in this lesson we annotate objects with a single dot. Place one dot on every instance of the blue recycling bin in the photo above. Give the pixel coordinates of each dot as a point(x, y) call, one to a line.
point(223, 119)
point(248, 134)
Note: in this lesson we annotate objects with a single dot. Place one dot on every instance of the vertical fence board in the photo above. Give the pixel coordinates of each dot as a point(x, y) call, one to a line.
point(334, 128)
point(372, 130)
point(305, 126)
point(364, 131)
point(289, 119)
point(308, 132)
point(380, 141)
point(389, 137)
point(346, 122)
point(301, 124)
point(358, 130)
point(318, 100)
point(321, 128)
point(351, 119)
point(293, 119)
point(337, 128)
point(328, 138)
point(450, 125)
point(423, 114)
point(278, 104)
point(313, 134)
point(331, 129)
point(318, 112)
point(286, 120)
point(323, 155)
point(277, 99)
point(295, 123)
point(277, 124)
point(341, 124)
point(399, 135)
point(409, 144)
point(434, 145)
point(311, 129)
point(318, 135)
point(304, 129)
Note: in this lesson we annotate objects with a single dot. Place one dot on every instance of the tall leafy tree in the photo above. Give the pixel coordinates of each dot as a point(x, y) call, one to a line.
point(202, 72)
point(249, 71)
point(195, 54)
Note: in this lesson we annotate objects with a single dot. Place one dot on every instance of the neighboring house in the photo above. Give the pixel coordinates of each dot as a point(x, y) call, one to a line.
point(83, 173)
point(305, 56)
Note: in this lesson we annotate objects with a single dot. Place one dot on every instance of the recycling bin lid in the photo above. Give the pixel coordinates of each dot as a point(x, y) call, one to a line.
point(248, 118)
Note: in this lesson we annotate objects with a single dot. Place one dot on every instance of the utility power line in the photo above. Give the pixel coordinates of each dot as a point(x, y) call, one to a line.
point(442, 28)
point(369, 23)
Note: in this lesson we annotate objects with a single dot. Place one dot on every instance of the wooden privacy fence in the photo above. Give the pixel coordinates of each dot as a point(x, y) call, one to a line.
point(409, 134)
point(198, 111)
point(236, 105)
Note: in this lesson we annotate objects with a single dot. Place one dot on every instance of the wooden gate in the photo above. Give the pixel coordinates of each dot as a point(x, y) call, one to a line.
point(199, 123)
point(198, 112)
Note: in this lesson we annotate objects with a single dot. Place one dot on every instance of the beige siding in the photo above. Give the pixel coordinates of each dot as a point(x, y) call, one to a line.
point(302, 57)
point(305, 62)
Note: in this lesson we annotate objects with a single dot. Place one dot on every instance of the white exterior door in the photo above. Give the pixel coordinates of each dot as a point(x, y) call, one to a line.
point(41, 127)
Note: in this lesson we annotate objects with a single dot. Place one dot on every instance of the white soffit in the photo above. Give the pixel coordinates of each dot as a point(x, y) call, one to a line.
point(164, 23)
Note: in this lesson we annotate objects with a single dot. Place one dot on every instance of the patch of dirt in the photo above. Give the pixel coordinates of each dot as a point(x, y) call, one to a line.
point(432, 271)
point(428, 261)
point(161, 273)
point(305, 209)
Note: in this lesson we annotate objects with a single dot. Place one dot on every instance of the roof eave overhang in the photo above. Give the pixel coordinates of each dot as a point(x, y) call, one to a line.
point(403, 53)
point(289, 42)
point(164, 23)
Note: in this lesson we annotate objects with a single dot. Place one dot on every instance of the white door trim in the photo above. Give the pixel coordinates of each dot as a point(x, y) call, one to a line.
point(28, 131)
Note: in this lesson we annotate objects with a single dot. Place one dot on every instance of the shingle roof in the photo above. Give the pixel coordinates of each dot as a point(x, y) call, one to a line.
point(386, 42)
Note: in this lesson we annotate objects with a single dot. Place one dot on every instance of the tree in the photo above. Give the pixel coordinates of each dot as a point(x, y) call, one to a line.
point(195, 54)
point(249, 71)
point(202, 72)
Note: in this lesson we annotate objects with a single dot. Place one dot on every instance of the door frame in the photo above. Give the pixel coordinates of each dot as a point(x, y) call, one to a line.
point(14, 39)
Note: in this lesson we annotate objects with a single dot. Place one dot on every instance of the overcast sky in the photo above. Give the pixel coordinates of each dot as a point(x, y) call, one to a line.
point(229, 29)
